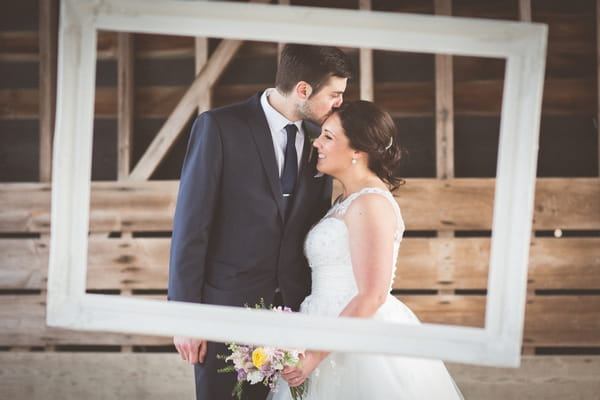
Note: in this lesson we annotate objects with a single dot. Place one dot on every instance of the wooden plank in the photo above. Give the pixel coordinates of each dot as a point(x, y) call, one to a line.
point(48, 37)
point(444, 134)
point(566, 263)
point(114, 206)
point(557, 201)
point(280, 45)
point(366, 63)
point(96, 376)
point(569, 96)
point(126, 79)
point(19, 103)
point(19, 46)
point(525, 10)
point(23, 263)
point(23, 323)
point(171, 129)
point(148, 46)
point(466, 204)
point(427, 204)
point(562, 321)
point(444, 117)
point(447, 309)
point(366, 75)
point(598, 79)
point(141, 263)
point(541, 377)
point(550, 320)
point(423, 263)
point(201, 58)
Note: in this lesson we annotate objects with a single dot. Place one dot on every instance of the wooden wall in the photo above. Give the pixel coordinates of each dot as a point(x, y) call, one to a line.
point(447, 110)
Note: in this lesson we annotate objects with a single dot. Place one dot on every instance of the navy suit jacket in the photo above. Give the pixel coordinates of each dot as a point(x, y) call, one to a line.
point(231, 243)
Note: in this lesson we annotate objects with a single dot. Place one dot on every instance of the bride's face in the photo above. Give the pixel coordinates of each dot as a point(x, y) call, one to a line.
point(333, 146)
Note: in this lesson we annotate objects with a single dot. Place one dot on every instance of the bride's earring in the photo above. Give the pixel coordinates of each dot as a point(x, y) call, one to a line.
point(354, 161)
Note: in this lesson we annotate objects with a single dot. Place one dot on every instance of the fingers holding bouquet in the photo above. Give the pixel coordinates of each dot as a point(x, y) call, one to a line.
point(296, 375)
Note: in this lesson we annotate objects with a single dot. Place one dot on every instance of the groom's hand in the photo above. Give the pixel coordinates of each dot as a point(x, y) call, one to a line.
point(190, 350)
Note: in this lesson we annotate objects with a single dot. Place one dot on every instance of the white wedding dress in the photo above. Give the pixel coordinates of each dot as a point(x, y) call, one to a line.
point(358, 376)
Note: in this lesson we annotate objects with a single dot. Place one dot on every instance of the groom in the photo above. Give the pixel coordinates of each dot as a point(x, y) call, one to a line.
point(247, 197)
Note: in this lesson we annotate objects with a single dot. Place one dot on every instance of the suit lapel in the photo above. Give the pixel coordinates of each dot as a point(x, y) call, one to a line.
point(259, 127)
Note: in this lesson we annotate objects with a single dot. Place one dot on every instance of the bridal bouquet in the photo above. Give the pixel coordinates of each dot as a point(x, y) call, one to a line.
point(264, 364)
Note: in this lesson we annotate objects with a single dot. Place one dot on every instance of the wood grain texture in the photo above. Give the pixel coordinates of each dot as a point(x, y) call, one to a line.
point(23, 323)
point(569, 96)
point(549, 320)
point(432, 263)
point(427, 204)
point(125, 103)
point(48, 35)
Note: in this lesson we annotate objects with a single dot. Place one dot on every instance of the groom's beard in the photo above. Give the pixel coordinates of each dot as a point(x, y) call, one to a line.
point(307, 114)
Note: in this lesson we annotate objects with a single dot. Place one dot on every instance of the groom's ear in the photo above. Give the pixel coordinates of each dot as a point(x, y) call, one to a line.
point(303, 90)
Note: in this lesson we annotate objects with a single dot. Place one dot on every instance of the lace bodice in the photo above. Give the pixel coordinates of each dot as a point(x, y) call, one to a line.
point(357, 376)
point(328, 251)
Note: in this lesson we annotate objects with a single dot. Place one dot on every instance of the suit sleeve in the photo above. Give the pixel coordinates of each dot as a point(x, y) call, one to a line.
point(197, 201)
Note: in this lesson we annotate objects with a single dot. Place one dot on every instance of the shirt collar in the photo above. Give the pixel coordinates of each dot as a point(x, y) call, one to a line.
point(276, 121)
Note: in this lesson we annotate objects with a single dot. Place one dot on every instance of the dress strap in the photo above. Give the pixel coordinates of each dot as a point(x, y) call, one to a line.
point(342, 206)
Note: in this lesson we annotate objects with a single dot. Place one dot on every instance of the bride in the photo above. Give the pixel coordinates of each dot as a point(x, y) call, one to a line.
point(352, 254)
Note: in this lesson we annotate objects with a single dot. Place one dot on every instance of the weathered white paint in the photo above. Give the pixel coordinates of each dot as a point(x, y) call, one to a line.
point(523, 45)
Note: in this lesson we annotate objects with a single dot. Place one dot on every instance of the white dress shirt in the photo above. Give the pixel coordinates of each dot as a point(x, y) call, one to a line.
point(277, 123)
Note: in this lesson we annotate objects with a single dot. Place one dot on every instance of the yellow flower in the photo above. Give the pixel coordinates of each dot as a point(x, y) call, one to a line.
point(259, 357)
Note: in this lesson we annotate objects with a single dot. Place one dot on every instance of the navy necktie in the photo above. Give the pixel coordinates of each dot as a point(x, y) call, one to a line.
point(290, 166)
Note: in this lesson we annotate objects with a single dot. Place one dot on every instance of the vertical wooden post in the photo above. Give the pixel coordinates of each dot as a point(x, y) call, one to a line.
point(48, 38)
point(280, 45)
point(525, 10)
point(366, 64)
point(598, 76)
point(201, 57)
point(525, 16)
point(125, 93)
point(126, 115)
point(48, 50)
point(444, 105)
point(444, 134)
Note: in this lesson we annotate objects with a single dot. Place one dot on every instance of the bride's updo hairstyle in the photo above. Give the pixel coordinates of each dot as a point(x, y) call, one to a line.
point(373, 131)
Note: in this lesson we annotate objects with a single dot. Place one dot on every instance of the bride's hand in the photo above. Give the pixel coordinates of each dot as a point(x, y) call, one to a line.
point(295, 376)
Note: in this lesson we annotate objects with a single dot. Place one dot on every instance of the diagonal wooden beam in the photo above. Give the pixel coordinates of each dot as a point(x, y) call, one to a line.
point(194, 98)
point(171, 129)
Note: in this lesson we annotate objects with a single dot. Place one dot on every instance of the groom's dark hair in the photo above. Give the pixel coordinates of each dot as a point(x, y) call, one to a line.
point(311, 64)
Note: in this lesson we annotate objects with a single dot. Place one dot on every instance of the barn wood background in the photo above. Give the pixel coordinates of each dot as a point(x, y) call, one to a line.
point(447, 109)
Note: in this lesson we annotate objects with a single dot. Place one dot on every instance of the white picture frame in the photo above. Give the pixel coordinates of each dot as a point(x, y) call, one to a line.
point(522, 45)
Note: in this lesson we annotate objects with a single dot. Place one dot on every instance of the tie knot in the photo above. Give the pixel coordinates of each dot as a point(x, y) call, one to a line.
point(291, 130)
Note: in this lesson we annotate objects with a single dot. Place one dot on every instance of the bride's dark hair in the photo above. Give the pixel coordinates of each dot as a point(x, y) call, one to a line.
point(373, 131)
